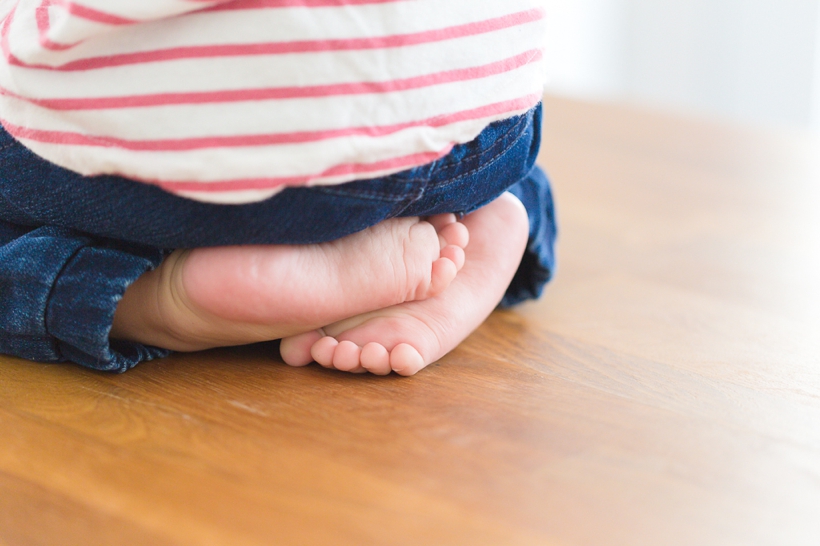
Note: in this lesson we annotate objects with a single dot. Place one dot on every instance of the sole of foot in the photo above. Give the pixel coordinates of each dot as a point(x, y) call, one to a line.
point(210, 297)
point(406, 338)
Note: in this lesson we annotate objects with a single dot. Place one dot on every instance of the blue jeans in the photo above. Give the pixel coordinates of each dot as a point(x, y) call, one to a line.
point(70, 245)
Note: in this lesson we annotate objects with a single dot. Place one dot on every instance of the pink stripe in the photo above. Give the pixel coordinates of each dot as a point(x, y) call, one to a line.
point(84, 12)
point(94, 15)
point(306, 46)
point(262, 4)
point(98, 16)
point(41, 14)
point(389, 165)
point(77, 10)
point(284, 93)
point(190, 144)
point(4, 34)
point(43, 19)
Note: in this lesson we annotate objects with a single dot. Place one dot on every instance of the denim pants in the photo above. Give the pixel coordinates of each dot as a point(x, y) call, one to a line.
point(70, 245)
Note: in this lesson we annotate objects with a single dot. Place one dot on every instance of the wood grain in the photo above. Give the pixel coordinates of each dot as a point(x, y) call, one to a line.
point(665, 391)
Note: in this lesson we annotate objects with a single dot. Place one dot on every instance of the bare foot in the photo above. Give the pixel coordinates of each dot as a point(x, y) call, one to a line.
point(221, 296)
point(405, 338)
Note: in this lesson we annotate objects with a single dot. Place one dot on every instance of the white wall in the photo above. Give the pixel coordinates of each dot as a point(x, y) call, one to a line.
point(585, 46)
point(816, 85)
point(750, 60)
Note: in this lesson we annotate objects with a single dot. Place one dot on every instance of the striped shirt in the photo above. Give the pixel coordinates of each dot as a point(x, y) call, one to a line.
point(230, 101)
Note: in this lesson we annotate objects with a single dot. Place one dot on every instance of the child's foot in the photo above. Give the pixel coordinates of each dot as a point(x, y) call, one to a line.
point(405, 338)
point(222, 296)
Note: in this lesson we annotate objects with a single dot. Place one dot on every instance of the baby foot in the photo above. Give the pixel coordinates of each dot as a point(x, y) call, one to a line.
point(235, 295)
point(407, 337)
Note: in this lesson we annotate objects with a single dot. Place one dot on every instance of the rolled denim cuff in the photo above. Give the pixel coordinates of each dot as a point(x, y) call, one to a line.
point(80, 309)
point(59, 289)
point(538, 263)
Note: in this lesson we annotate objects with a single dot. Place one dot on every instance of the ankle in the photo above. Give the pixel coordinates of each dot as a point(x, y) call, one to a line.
point(153, 311)
point(136, 317)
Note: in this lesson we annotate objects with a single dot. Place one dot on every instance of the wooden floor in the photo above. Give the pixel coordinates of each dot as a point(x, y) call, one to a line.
point(666, 391)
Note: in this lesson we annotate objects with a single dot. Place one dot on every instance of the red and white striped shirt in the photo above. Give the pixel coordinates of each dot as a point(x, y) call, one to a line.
point(230, 101)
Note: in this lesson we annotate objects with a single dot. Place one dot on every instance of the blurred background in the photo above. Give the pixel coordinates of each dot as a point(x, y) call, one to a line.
point(751, 61)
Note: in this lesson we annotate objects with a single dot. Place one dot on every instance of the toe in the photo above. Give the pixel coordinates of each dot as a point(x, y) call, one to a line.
point(347, 356)
point(455, 254)
point(295, 350)
point(322, 351)
point(375, 359)
point(454, 234)
point(439, 221)
point(406, 360)
point(444, 271)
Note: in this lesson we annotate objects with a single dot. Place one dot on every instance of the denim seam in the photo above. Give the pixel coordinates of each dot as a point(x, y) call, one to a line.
point(483, 166)
point(522, 119)
point(401, 199)
point(375, 195)
point(401, 206)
